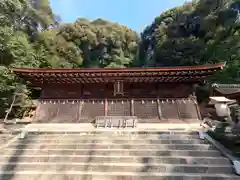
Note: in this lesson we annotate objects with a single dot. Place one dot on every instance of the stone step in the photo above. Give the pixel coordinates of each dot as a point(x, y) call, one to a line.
point(117, 146)
point(119, 167)
point(116, 159)
point(108, 141)
point(119, 131)
point(109, 131)
point(79, 175)
point(112, 152)
point(5, 138)
point(116, 136)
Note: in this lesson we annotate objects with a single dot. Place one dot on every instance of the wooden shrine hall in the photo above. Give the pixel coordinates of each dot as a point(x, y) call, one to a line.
point(150, 94)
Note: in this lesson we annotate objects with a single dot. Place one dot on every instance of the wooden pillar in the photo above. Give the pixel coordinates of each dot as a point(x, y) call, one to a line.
point(132, 107)
point(58, 111)
point(197, 108)
point(178, 110)
point(80, 106)
point(194, 88)
point(36, 114)
point(159, 109)
point(105, 107)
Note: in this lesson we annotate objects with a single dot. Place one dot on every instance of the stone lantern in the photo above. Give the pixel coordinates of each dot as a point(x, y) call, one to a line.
point(221, 105)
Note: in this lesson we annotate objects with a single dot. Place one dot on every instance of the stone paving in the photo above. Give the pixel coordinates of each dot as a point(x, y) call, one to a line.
point(113, 155)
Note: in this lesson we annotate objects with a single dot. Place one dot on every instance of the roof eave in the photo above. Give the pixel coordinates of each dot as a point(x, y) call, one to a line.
point(68, 70)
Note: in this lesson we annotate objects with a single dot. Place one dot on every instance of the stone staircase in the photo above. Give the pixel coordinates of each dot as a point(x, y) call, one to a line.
point(5, 138)
point(114, 155)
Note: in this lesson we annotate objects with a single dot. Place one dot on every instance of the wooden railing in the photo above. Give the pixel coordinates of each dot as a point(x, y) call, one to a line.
point(116, 121)
point(75, 110)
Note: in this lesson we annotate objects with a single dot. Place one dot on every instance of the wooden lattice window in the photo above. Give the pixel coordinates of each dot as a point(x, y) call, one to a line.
point(118, 88)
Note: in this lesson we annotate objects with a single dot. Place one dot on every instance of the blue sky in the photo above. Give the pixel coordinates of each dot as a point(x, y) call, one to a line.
point(136, 14)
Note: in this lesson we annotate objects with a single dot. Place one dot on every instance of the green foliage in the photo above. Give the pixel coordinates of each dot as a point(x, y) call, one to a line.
point(55, 51)
point(6, 79)
point(19, 24)
point(229, 141)
point(101, 43)
point(8, 86)
point(21, 51)
point(30, 37)
point(199, 32)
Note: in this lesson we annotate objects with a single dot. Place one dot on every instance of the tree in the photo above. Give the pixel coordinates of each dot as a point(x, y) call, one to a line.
point(30, 37)
point(18, 30)
point(199, 32)
point(102, 43)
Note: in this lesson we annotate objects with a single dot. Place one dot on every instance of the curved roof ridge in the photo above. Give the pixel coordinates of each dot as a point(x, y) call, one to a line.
point(173, 68)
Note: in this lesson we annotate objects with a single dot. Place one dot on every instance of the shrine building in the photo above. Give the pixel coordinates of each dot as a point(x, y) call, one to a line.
point(151, 94)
